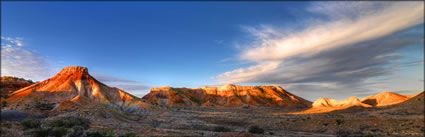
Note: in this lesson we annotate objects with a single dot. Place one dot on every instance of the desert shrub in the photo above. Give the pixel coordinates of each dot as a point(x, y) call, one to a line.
point(256, 130)
point(58, 132)
point(339, 121)
point(156, 123)
point(128, 134)
point(95, 133)
point(268, 99)
point(368, 135)
point(221, 129)
point(70, 121)
point(3, 103)
point(342, 133)
point(195, 100)
point(39, 132)
point(30, 124)
point(57, 123)
point(44, 106)
point(179, 102)
point(6, 124)
point(77, 131)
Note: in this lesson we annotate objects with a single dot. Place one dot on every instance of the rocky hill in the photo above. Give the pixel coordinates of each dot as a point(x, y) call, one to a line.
point(76, 87)
point(227, 95)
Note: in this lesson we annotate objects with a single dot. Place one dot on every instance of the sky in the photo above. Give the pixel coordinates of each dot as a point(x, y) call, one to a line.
point(312, 49)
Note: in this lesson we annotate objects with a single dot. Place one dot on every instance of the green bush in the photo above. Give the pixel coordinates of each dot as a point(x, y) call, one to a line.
point(179, 102)
point(221, 129)
point(39, 132)
point(342, 133)
point(256, 130)
point(77, 131)
point(94, 133)
point(44, 106)
point(6, 124)
point(3, 103)
point(30, 124)
point(197, 101)
point(128, 134)
point(70, 121)
point(339, 122)
point(59, 131)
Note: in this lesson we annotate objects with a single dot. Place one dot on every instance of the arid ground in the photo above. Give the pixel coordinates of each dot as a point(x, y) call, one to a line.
point(398, 120)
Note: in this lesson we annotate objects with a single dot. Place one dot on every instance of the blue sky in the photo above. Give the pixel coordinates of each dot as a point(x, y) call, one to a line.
point(138, 45)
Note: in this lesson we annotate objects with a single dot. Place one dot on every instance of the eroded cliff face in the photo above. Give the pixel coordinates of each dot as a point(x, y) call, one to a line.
point(227, 96)
point(74, 84)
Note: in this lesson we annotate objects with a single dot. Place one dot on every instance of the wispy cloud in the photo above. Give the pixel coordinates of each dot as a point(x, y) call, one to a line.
point(134, 87)
point(20, 62)
point(335, 33)
point(354, 42)
point(108, 78)
point(124, 84)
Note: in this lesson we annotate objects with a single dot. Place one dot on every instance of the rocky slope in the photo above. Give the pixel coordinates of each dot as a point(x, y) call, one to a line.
point(73, 86)
point(227, 95)
point(384, 99)
point(10, 84)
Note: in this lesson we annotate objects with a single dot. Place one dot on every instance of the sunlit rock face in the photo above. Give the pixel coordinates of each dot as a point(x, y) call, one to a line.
point(384, 99)
point(327, 102)
point(226, 96)
point(381, 99)
point(74, 84)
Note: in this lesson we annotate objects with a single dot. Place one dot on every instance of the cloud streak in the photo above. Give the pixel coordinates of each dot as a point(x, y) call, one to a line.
point(355, 42)
point(336, 33)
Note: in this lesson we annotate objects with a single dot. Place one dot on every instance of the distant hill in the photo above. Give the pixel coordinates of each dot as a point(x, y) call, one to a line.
point(384, 99)
point(326, 102)
point(226, 96)
point(73, 86)
point(10, 84)
point(413, 105)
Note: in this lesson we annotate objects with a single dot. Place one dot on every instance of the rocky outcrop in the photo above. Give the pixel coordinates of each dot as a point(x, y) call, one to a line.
point(76, 85)
point(384, 99)
point(227, 95)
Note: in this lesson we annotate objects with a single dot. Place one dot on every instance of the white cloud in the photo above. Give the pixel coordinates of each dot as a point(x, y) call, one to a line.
point(335, 33)
point(379, 19)
point(353, 43)
point(19, 62)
